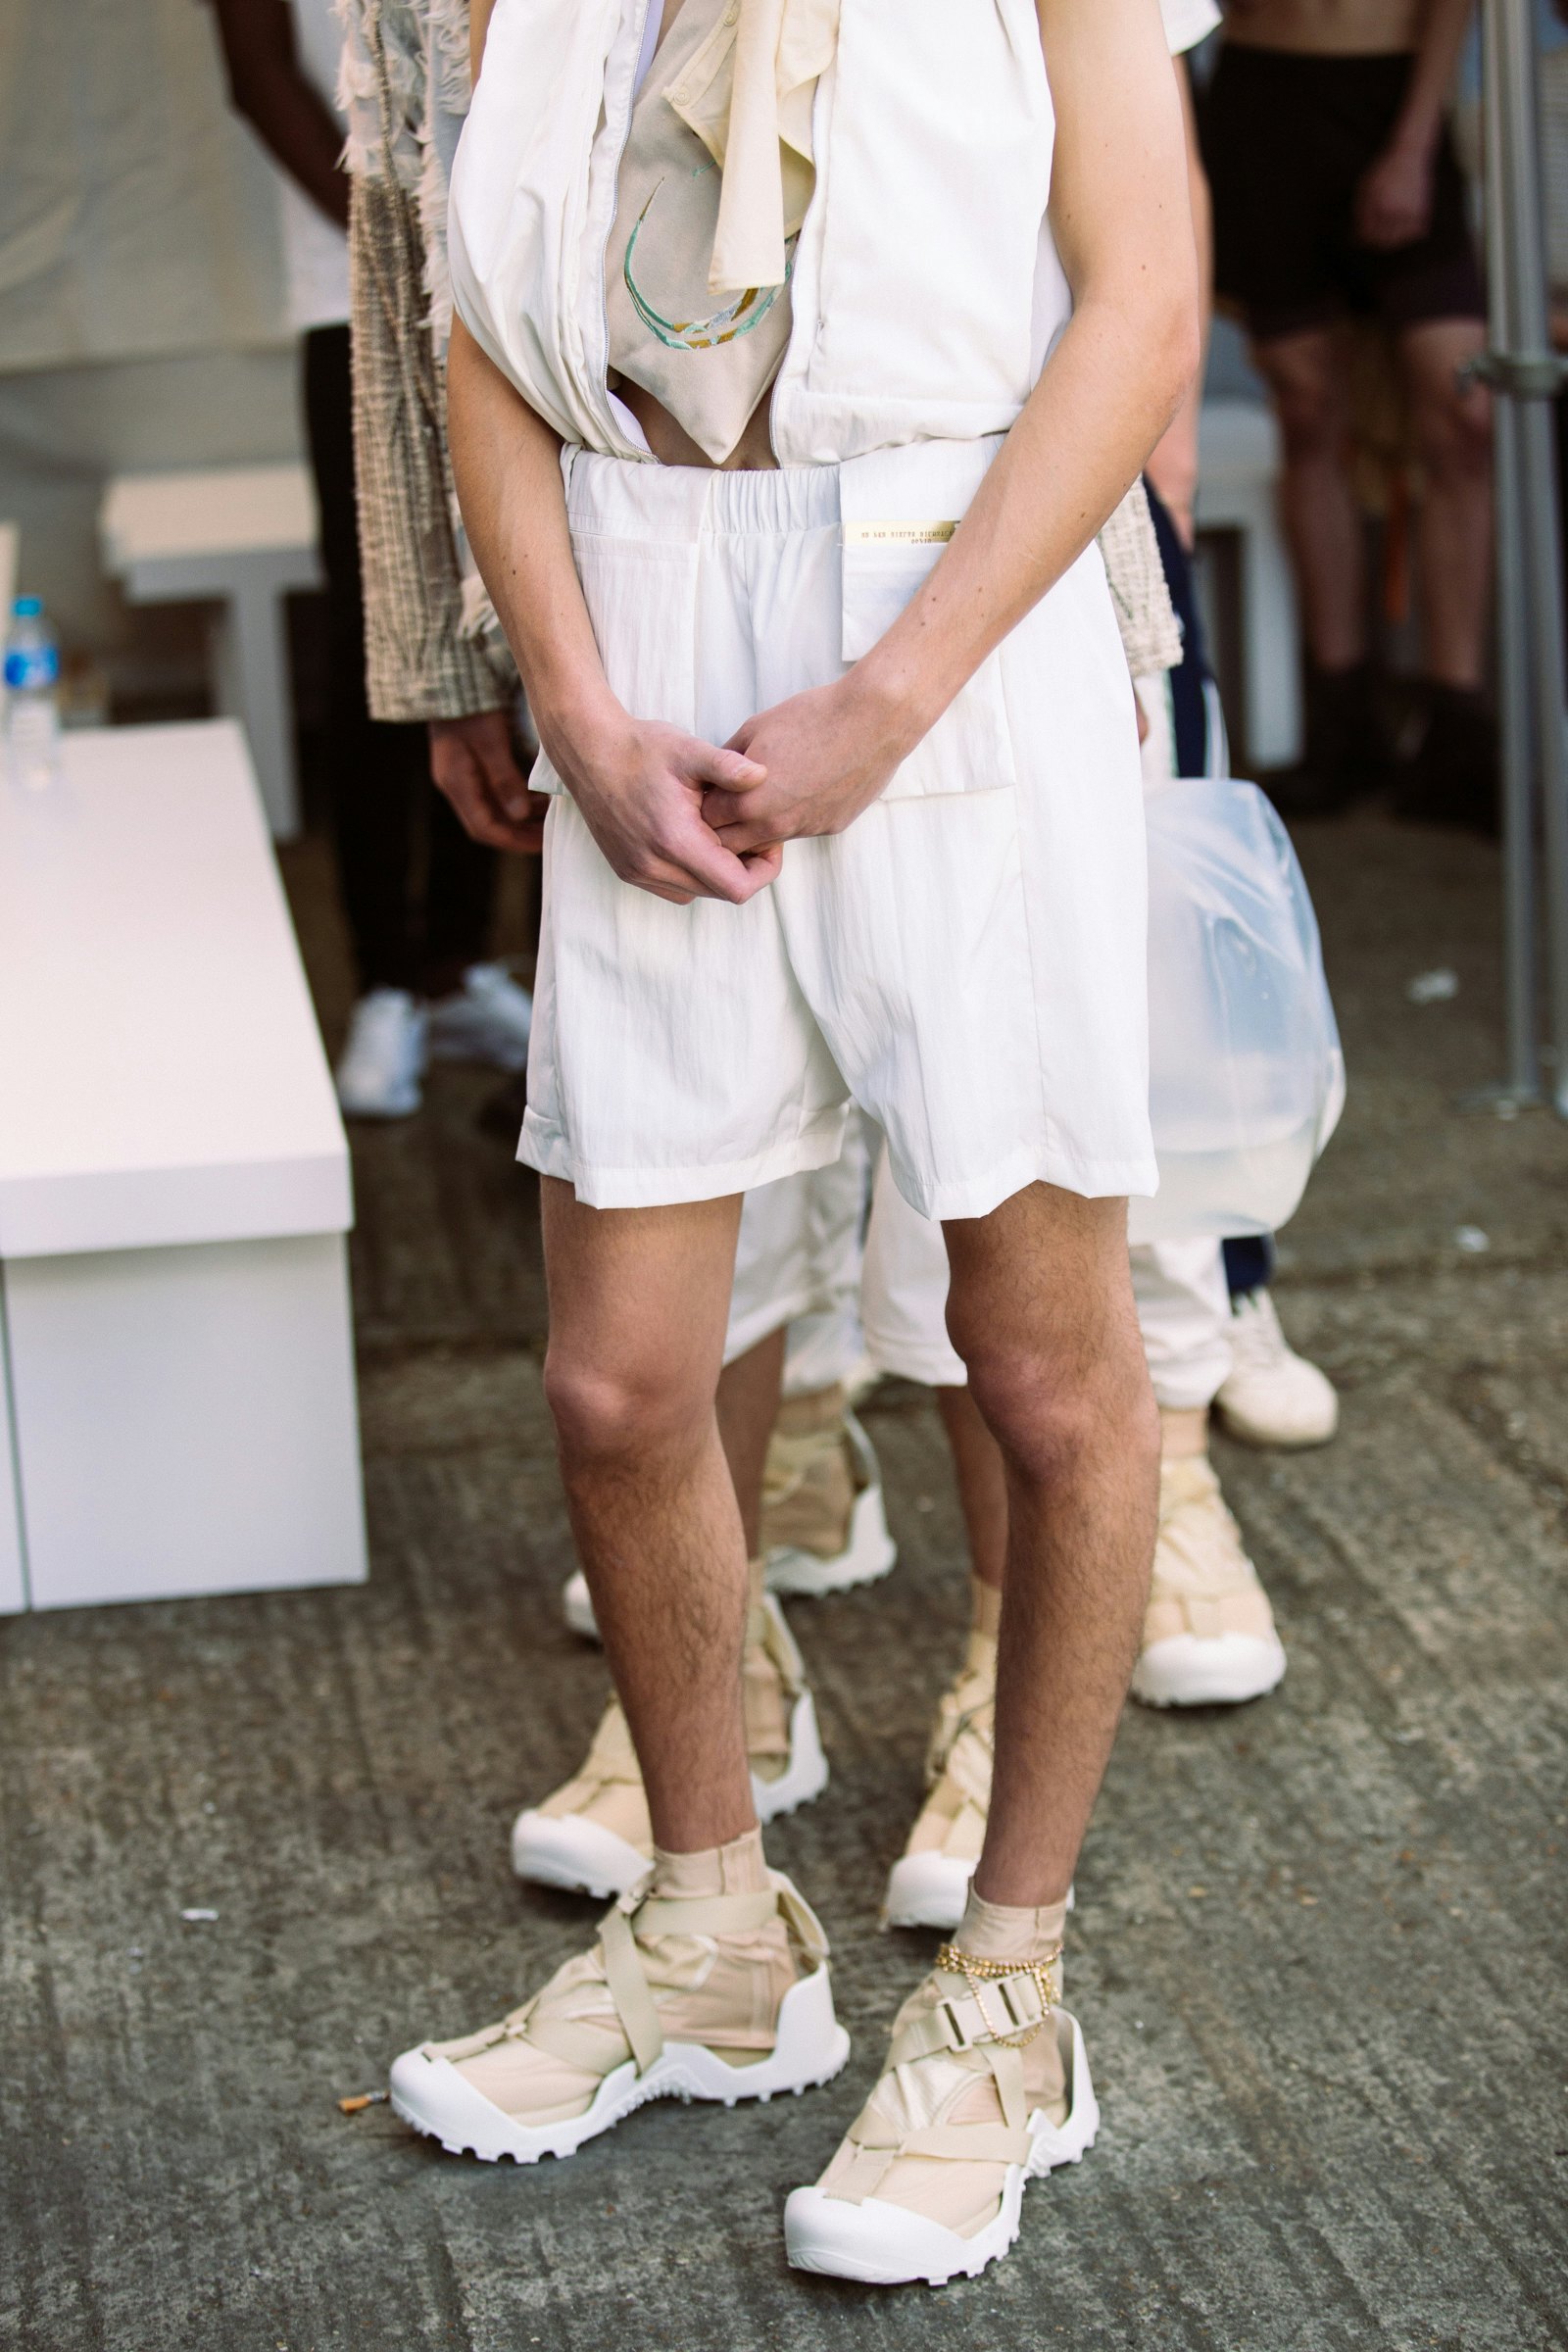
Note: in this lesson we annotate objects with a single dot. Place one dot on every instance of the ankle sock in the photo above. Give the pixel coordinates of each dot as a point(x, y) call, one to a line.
point(737, 1868)
point(1007, 1931)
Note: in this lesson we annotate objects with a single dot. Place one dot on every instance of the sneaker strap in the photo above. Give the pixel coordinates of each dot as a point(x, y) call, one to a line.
point(1000, 2012)
point(879, 2142)
point(767, 1632)
point(639, 1914)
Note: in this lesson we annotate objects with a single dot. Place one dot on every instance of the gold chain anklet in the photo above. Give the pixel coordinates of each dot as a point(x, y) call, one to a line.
point(981, 1972)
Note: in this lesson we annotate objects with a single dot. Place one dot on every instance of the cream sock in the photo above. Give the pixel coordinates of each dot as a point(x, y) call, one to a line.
point(1183, 1432)
point(987, 1610)
point(739, 1868)
point(1005, 1932)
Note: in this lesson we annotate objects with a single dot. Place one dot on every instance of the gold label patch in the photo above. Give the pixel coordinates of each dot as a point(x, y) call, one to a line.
point(898, 534)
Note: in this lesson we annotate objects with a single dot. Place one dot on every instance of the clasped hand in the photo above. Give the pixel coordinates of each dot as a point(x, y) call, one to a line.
point(686, 819)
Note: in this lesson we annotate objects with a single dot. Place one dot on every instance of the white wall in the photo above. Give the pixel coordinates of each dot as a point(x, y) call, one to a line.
point(140, 291)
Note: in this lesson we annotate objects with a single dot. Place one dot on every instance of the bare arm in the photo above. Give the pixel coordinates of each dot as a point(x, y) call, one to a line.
point(638, 784)
point(1173, 465)
point(267, 86)
point(1394, 203)
point(1123, 226)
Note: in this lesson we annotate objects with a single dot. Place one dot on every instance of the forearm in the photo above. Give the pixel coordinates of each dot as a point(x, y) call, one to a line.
point(1173, 465)
point(507, 465)
point(1108, 393)
point(1432, 77)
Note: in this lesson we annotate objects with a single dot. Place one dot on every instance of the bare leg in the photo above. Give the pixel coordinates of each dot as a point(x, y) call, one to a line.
point(982, 1477)
point(638, 1304)
point(1454, 531)
point(1308, 376)
point(1040, 1311)
point(749, 1392)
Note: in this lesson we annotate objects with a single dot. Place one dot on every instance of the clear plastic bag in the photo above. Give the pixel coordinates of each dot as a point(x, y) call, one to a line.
point(1247, 1078)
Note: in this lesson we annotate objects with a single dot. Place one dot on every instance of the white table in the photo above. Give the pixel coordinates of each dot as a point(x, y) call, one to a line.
point(246, 537)
point(1238, 490)
point(173, 1194)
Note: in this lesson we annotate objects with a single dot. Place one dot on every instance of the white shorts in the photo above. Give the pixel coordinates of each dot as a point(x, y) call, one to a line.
point(1184, 1308)
point(966, 961)
point(798, 1261)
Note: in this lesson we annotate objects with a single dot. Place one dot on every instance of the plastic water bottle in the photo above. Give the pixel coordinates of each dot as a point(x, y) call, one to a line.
point(33, 697)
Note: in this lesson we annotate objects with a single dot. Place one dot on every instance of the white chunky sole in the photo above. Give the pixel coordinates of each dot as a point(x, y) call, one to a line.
point(430, 2093)
point(882, 2244)
point(1224, 1671)
point(585, 1858)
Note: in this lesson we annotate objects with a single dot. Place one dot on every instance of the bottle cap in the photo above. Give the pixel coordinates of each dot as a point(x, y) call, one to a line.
point(27, 607)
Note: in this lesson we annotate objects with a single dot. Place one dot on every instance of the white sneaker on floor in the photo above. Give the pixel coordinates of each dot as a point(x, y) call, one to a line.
point(383, 1058)
point(1271, 1395)
point(1208, 1631)
point(591, 1836)
point(488, 1020)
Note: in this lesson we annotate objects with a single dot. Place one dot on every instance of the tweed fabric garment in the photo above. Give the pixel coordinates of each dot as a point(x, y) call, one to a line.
point(405, 89)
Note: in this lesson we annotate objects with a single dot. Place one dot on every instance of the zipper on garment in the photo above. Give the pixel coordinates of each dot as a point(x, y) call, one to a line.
point(601, 386)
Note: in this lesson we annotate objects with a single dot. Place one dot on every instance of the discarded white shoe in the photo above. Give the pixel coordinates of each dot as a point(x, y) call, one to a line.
point(1271, 1395)
point(488, 1020)
point(986, 2088)
point(593, 1836)
point(383, 1058)
point(1208, 1631)
point(691, 1996)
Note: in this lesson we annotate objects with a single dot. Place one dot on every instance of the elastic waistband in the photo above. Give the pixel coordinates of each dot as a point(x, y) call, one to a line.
point(626, 497)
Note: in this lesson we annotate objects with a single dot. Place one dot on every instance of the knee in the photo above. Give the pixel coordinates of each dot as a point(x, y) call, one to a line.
point(1051, 1414)
point(625, 1410)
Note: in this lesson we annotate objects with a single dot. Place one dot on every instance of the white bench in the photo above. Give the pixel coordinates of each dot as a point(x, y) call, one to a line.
point(1238, 490)
point(173, 1194)
point(246, 537)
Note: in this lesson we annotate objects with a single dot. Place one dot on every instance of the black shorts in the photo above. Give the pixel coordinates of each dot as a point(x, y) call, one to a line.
point(1286, 141)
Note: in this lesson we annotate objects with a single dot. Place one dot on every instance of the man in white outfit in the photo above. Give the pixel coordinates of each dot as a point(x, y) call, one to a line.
point(850, 808)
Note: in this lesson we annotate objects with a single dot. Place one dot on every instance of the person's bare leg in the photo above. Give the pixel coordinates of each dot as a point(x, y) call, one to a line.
point(1040, 1311)
point(1452, 426)
point(982, 1477)
point(638, 1304)
point(1309, 377)
point(982, 1474)
point(747, 1401)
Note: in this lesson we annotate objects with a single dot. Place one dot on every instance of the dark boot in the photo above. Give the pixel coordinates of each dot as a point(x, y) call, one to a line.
point(1451, 777)
point(1345, 758)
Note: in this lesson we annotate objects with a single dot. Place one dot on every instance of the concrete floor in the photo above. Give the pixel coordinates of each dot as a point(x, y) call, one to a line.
point(1319, 1943)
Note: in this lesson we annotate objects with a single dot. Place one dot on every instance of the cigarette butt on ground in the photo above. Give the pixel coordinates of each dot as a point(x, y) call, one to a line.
point(362, 2098)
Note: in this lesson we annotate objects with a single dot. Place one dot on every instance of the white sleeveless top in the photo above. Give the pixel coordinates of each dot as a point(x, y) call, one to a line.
point(927, 291)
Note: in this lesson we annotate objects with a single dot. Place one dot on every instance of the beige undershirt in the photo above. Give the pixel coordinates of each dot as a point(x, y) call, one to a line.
point(1326, 28)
